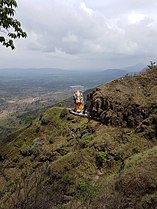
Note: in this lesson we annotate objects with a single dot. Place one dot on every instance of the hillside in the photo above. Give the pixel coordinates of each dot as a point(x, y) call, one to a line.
point(27, 91)
point(130, 101)
point(61, 161)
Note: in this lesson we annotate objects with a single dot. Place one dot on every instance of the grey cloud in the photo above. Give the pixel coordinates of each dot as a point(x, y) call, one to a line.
point(92, 32)
point(89, 33)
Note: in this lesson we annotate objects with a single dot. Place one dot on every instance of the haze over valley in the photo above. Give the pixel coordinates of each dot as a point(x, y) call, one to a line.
point(23, 91)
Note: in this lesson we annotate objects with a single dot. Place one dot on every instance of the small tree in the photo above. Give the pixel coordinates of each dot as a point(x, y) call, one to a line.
point(9, 27)
point(152, 65)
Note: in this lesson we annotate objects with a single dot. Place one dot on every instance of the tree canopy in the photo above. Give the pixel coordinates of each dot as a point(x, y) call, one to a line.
point(10, 28)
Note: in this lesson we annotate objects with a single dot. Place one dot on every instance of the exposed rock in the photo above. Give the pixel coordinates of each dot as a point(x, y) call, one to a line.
point(126, 103)
point(65, 161)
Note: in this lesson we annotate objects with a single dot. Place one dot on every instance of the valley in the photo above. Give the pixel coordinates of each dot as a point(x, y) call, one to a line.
point(108, 160)
point(25, 93)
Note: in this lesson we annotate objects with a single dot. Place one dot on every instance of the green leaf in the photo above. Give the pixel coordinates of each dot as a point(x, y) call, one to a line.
point(10, 26)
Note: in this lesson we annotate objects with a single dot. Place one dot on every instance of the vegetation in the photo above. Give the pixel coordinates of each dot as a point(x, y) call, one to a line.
point(86, 192)
point(9, 26)
point(30, 92)
point(152, 65)
point(64, 161)
point(102, 157)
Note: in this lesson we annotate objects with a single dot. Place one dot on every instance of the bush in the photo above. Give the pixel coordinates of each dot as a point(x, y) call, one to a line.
point(26, 150)
point(86, 139)
point(63, 113)
point(101, 158)
point(86, 192)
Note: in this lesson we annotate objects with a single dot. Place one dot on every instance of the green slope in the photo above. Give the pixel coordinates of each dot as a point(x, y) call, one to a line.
point(65, 161)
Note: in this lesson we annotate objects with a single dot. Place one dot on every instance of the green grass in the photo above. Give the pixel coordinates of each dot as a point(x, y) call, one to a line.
point(71, 149)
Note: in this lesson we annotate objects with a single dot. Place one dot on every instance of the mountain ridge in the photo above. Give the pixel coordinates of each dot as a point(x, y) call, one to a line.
point(130, 100)
point(106, 161)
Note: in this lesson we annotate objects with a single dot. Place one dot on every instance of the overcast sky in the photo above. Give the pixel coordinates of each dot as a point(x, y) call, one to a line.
point(84, 34)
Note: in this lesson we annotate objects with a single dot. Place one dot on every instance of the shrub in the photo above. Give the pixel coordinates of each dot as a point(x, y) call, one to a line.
point(86, 192)
point(86, 139)
point(63, 113)
point(101, 158)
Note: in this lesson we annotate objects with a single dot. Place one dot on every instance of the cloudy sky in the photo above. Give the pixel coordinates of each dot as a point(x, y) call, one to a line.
point(84, 34)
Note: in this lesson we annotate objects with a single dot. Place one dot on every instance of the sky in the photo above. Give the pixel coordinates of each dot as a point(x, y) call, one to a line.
point(84, 34)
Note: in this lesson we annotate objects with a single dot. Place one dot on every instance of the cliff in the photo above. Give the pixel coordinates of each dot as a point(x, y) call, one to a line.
point(128, 102)
point(106, 161)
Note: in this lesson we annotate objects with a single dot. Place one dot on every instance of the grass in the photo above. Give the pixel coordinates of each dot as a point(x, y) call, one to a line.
point(142, 158)
point(62, 149)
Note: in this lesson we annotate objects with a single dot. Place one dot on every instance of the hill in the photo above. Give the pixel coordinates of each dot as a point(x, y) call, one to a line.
point(106, 161)
point(127, 102)
point(23, 91)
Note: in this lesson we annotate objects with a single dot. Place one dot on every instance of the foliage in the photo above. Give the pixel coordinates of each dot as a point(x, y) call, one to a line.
point(126, 177)
point(86, 139)
point(28, 189)
point(26, 150)
point(86, 192)
point(64, 113)
point(28, 119)
point(9, 26)
point(101, 158)
point(149, 201)
point(152, 65)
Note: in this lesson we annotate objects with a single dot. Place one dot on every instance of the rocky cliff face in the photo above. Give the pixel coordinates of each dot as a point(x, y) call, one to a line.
point(130, 102)
point(108, 161)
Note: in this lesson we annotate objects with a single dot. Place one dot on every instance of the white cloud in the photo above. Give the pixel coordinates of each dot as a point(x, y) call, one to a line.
point(69, 32)
point(135, 18)
point(85, 8)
